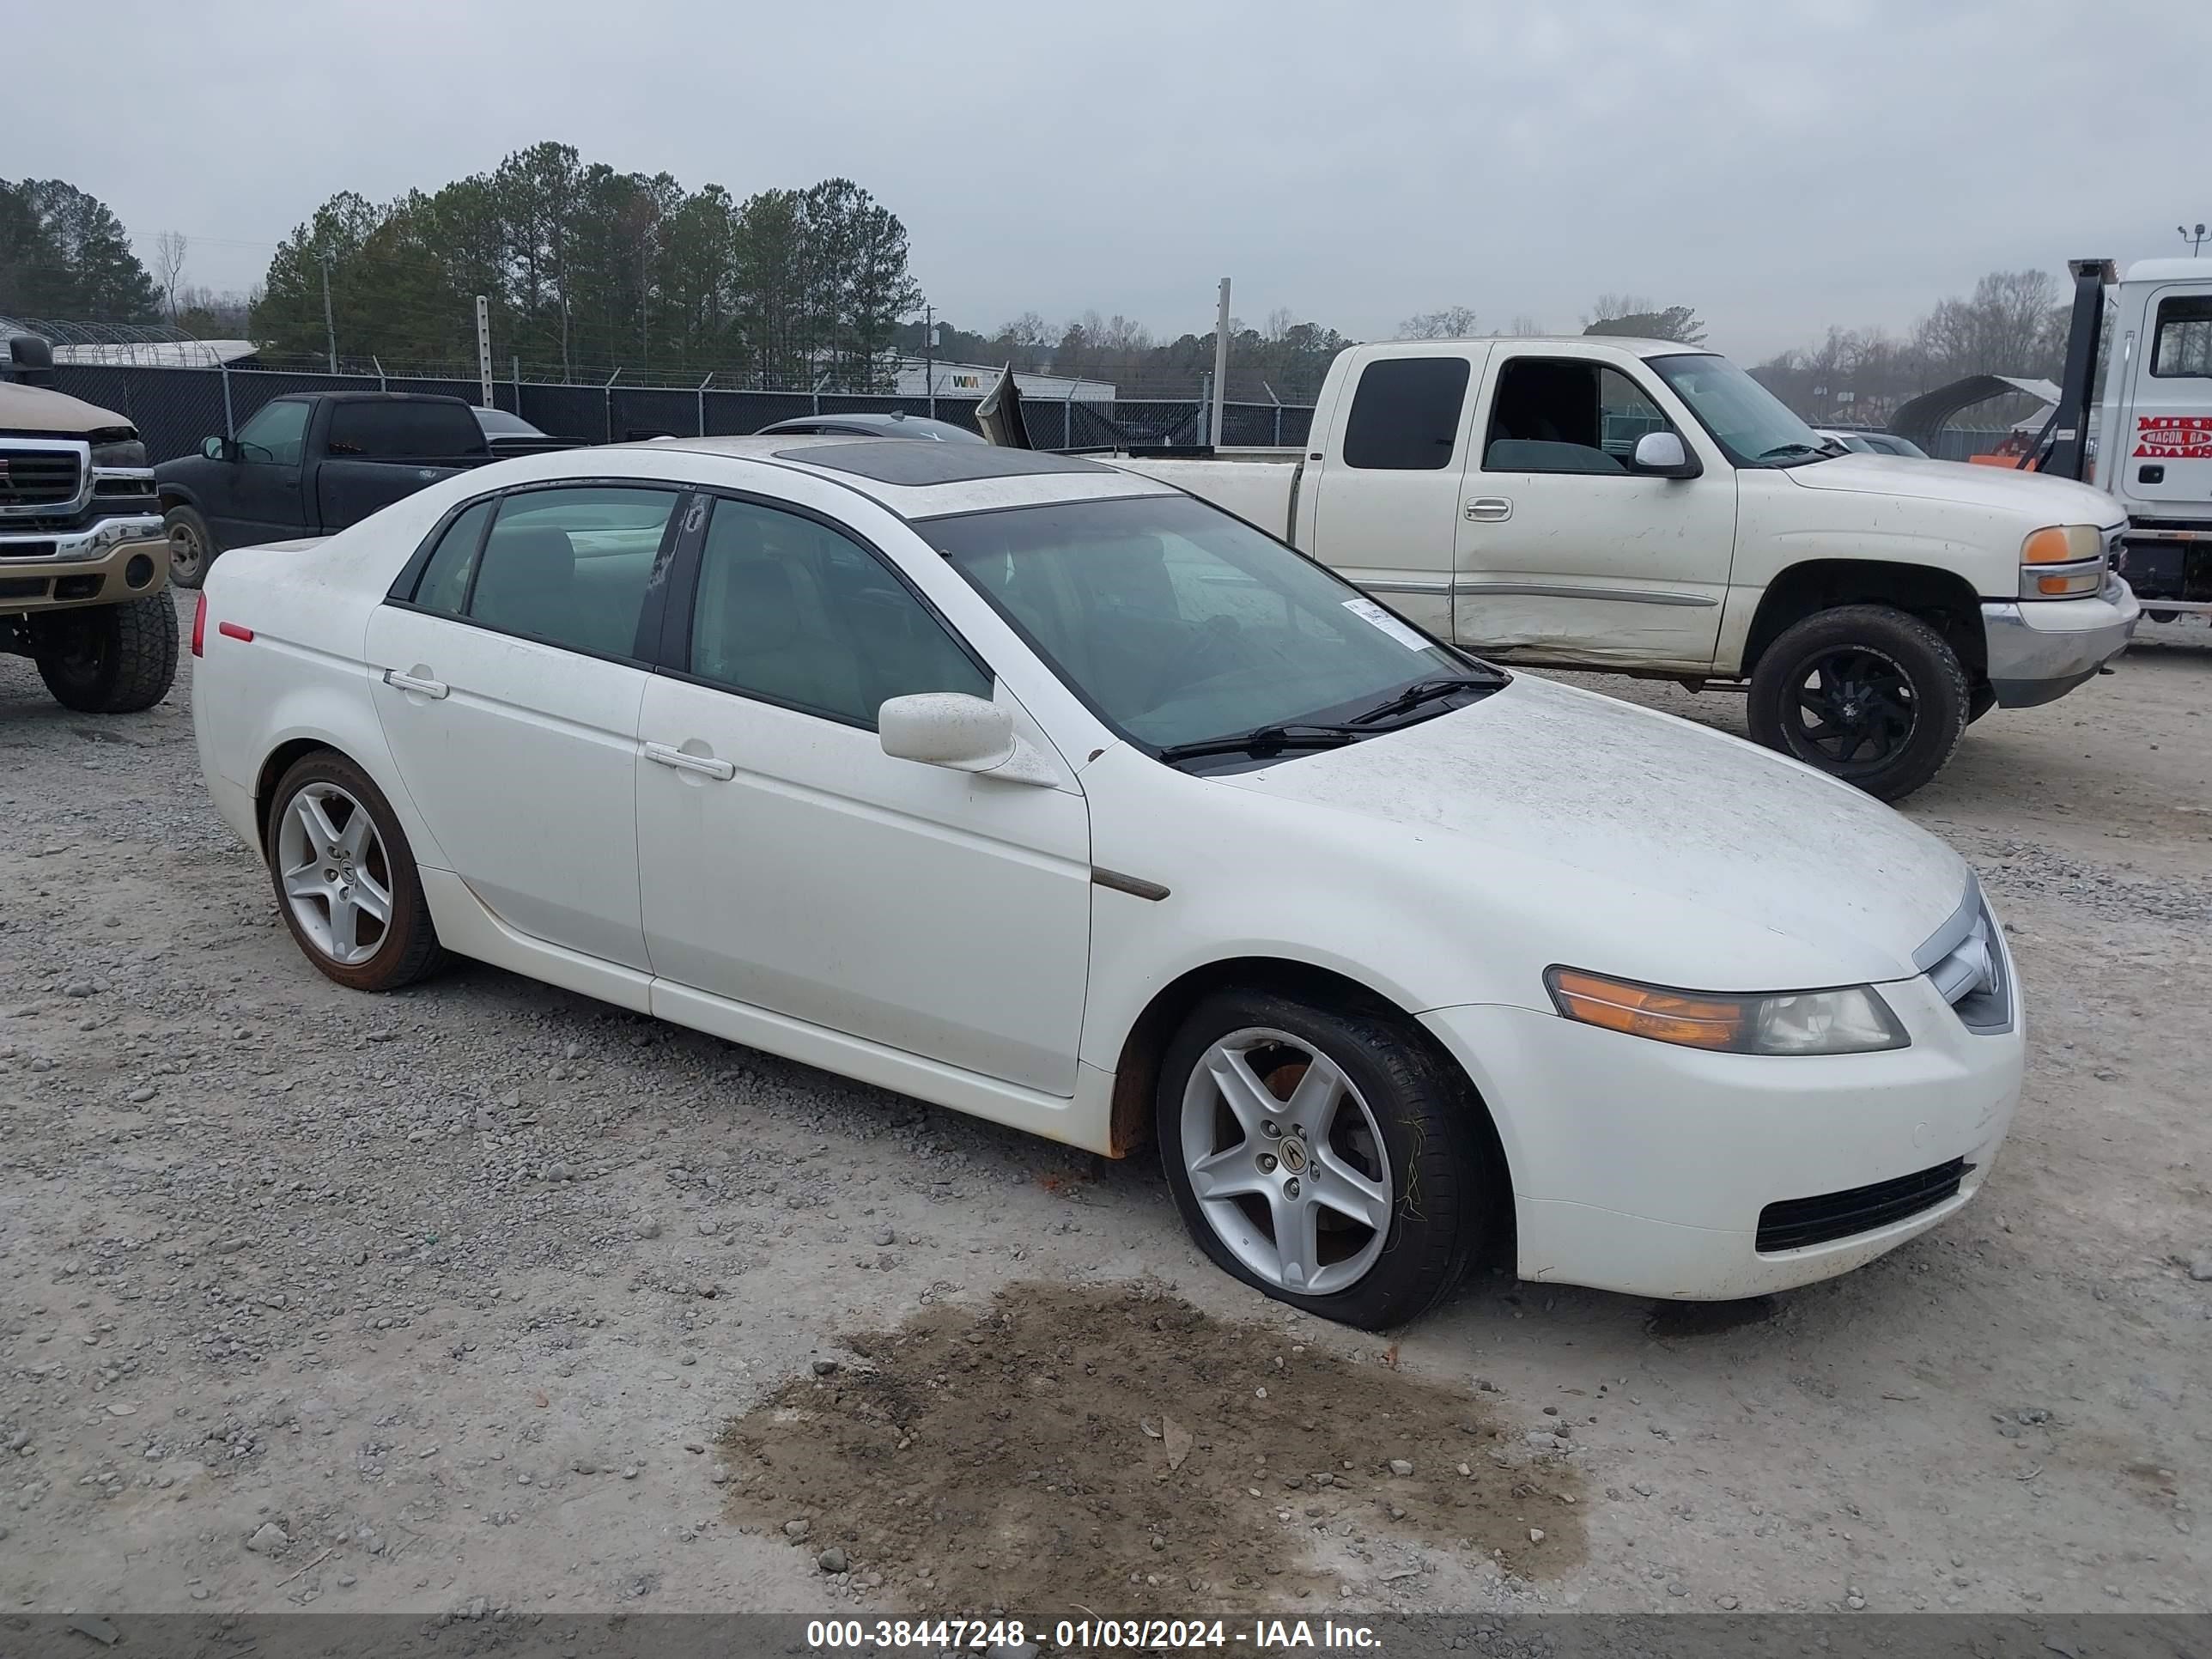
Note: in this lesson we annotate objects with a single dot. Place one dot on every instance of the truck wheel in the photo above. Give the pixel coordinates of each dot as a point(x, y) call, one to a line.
point(1325, 1155)
point(191, 546)
point(2161, 615)
point(1866, 693)
point(108, 658)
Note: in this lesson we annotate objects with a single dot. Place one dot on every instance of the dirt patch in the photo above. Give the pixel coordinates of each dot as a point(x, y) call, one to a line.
point(1116, 1448)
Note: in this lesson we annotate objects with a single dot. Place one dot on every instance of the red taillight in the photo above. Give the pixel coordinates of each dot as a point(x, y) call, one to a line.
point(199, 627)
point(235, 631)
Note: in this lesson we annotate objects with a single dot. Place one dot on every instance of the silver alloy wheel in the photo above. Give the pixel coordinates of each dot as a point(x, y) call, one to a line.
point(337, 876)
point(1286, 1161)
point(186, 554)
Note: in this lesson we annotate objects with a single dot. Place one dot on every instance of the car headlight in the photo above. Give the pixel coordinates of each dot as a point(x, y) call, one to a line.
point(122, 452)
point(1850, 1019)
point(2062, 562)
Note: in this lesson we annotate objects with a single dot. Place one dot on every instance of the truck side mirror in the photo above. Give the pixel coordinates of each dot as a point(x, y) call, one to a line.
point(1663, 455)
point(30, 360)
point(216, 447)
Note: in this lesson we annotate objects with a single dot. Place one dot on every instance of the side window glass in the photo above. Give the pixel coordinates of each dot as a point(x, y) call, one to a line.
point(790, 610)
point(444, 586)
point(275, 433)
point(570, 567)
point(2184, 345)
point(1565, 415)
point(1405, 414)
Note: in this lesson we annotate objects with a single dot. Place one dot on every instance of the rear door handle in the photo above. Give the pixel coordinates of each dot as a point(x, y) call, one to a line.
point(432, 689)
point(706, 765)
point(1489, 509)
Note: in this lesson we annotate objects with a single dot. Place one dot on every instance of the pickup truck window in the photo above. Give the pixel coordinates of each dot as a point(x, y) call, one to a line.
point(373, 430)
point(1405, 414)
point(1177, 623)
point(2183, 346)
point(275, 433)
point(1753, 426)
point(1566, 415)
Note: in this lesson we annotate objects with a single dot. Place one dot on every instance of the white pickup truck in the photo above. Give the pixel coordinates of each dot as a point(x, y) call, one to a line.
point(1648, 508)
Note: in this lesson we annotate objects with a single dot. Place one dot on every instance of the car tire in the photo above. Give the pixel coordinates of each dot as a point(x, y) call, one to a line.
point(1865, 693)
point(192, 546)
point(108, 658)
point(2158, 615)
point(1402, 1121)
point(360, 863)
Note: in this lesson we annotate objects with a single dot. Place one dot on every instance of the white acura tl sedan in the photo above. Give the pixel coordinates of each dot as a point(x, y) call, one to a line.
point(1049, 793)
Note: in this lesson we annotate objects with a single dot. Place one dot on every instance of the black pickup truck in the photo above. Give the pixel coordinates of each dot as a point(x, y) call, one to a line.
point(310, 465)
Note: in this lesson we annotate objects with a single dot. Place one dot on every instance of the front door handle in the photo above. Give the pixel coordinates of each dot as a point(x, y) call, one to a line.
point(668, 755)
point(1489, 509)
point(420, 686)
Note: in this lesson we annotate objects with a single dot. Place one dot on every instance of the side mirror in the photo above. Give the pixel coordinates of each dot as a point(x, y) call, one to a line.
point(31, 358)
point(1663, 455)
point(967, 734)
point(219, 448)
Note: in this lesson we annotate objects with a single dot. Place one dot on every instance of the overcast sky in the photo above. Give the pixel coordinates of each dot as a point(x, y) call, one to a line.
point(1779, 167)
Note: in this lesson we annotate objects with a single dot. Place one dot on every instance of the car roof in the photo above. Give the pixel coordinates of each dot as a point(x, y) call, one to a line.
point(914, 480)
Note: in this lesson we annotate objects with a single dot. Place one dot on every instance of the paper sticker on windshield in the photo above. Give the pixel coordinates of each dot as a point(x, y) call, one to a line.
point(1376, 616)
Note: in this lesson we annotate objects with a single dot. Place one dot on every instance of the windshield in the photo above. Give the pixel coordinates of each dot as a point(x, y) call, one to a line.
point(1177, 623)
point(1750, 423)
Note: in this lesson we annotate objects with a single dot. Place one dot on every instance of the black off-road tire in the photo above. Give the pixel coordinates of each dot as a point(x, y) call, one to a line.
point(192, 546)
point(1448, 1185)
point(409, 950)
point(1892, 644)
point(108, 658)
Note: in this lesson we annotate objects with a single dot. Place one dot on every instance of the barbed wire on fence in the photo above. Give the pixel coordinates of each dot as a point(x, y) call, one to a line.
point(177, 409)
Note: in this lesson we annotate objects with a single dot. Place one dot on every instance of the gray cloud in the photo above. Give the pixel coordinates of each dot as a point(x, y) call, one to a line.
point(1780, 167)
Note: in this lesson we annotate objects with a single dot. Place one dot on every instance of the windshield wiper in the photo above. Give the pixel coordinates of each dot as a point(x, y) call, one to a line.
point(1265, 740)
point(1780, 450)
point(1421, 691)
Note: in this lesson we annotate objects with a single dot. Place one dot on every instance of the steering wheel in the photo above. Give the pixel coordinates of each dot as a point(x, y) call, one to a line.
point(1182, 669)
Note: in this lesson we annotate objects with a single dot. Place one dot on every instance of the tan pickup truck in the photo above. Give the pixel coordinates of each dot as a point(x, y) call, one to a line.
point(84, 561)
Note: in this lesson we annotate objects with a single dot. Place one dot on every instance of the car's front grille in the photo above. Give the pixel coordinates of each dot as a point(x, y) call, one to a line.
point(1795, 1222)
point(38, 478)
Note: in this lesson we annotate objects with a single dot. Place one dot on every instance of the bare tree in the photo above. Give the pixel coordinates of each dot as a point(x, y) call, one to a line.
point(1452, 323)
point(1525, 327)
point(169, 250)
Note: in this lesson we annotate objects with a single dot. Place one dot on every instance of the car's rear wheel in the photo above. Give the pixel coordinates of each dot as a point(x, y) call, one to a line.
point(108, 658)
point(191, 546)
point(1866, 693)
point(345, 878)
point(1328, 1157)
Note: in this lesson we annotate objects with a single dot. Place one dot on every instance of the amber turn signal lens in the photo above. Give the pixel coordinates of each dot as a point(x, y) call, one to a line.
point(2060, 545)
point(1648, 1011)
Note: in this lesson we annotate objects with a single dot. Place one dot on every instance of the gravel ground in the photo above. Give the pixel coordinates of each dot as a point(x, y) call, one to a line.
point(485, 1295)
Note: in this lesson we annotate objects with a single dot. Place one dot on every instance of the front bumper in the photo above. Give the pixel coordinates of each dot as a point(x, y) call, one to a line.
point(114, 558)
point(1643, 1168)
point(2040, 650)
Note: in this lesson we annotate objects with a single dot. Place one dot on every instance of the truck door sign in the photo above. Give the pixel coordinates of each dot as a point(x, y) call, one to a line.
point(2174, 437)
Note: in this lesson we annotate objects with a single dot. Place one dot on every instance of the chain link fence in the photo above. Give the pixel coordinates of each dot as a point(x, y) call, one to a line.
point(176, 409)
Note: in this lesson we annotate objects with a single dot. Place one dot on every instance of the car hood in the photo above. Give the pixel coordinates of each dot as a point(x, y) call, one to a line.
point(1695, 851)
point(36, 410)
point(2046, 500)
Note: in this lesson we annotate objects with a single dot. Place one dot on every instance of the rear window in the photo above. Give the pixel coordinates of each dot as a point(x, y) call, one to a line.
point(404, 431)
point(1405, 414)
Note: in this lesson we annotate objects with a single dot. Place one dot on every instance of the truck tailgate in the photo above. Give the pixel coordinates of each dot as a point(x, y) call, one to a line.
point(1261, 492)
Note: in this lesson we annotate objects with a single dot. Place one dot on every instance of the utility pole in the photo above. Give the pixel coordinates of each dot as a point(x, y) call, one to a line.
point(929, 357)
point(1220, 362)
point(330, 327)
point(484, 345)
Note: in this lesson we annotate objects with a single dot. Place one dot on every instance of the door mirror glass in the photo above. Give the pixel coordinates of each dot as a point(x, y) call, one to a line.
point(946, 728)
point(1663, 455)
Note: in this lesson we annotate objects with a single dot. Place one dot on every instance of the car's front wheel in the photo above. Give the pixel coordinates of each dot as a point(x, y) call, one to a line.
point(345, 878)
point(1326, 1156)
